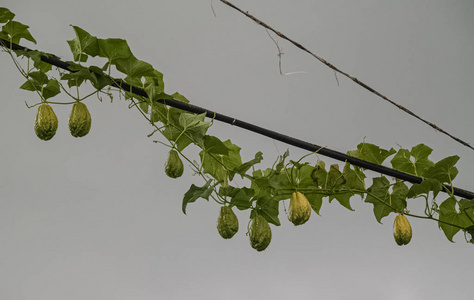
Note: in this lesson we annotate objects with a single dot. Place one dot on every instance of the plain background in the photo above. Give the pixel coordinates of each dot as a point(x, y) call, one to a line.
point(96, 217)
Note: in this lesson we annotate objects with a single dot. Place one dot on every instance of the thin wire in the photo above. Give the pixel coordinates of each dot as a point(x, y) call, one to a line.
point(346, 74)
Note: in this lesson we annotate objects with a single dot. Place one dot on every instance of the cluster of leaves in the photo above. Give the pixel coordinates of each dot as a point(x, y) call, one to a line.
point(220, 163)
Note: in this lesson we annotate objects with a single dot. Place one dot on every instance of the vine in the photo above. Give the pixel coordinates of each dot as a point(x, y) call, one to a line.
point(307, 182)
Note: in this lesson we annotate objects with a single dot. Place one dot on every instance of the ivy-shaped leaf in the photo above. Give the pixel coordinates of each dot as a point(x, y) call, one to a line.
point(214, 145)
point(444, 171)
point(371, 153)
point(36, 55)
point(40, 82)
point(17, 31)
point(113, 49)
point(242, 169)
point(268, 208)
point(5, 15)
point(355, 178)
point(133, 67)
point(78, 77)
point(100, 79)
point(196, 192)
point(413, 162)
point(383, 201)
point(242, 199)
point(316, 201)
point(83, 45)
point(51, 89)
point(217, 165)
point(423, 188)
point(449, 214)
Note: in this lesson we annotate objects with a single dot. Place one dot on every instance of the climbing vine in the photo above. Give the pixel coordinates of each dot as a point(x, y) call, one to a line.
point(307, 182)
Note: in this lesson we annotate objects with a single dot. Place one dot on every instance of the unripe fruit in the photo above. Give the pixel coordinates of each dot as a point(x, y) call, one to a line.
point(227, 222)
point(402, 230)
point(46, 122)
point(260, 233)
point(299, 210)
point(174, 166)
point(79, 120)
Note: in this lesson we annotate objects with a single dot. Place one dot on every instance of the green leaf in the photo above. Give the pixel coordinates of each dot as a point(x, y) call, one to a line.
point(372, 153)
point(78, 77)
point(444, 170)
point(228, 191)
point(449, 214)
point(242, 199)
point(39, 78)
point(465, 204)
point(17, 31)
point(196, 192)
point(218, 165)
point(355, 178)
point(242, 169)
point(343, 199)
point(281, 161)
point(100, 79)
point(268, 208)
point(5, 15)
point(420, 155)
point(470, 230)
point(36, 55)
point(383, 201)
point(261, 185)
point(83, 45)
point(51, 89)
point(157, 81)
point(426, 186)
point(214, 145)
point(316, 201)
point(189, 128)
point(413, 162)
point(134, 67)
point(327, 179)
point(113, 49)
point(40, 82)
point(179, 97)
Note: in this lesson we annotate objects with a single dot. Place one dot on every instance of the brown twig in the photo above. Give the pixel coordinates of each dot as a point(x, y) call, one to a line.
point(362, 84)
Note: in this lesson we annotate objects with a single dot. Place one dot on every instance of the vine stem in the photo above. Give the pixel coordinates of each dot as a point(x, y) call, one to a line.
point(354, 79)
point(411, 215)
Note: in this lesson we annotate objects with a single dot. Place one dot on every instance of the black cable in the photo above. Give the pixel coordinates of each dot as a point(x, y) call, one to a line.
point(55, 61)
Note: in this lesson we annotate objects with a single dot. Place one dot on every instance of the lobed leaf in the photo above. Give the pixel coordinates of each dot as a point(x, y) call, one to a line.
point(17, 31)
point(444, 171)
point(83, 45)
point(426, 186)
point(242, 199)
point(371, 153)
point(385, 202)
point(449, 214)
point(196, 192)
point(413, 162)
point(269, 209)
point(5, 15)
point(113, 49)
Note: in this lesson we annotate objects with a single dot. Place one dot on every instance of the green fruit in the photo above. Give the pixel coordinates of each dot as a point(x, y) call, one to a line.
point(227, 222)
point(260, 233)
point(174, 166)
point(46, 122)
point(79, 120)
point(402, 230)
point(299, 210)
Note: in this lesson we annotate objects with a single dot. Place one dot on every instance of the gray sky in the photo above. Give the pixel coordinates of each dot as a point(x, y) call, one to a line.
point(97, 218)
